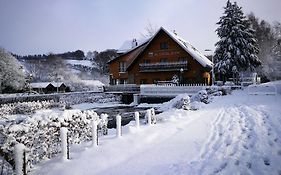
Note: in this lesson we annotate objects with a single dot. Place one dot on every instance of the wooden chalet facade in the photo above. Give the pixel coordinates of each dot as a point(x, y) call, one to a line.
point(160, 58)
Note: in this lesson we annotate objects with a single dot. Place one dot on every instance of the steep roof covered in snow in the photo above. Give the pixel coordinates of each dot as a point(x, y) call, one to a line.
point(134, 52)
point(130, 44)
point(201, 58)
point(191, 50)
point(198, 56)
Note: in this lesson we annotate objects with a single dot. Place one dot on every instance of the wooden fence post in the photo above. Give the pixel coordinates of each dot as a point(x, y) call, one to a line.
point(137, 119)
point(94, 133)
point(64, 143)
point(19, 156)
point(118, 126)
point(148, 116)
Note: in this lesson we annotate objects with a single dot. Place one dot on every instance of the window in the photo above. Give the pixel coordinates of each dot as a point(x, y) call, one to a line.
point(146, 61)
point(155, 81)
point(143, 81)
point(163, 46)
point(122, 66)
point(163, 60)
point(182, 59)
point(123, 81)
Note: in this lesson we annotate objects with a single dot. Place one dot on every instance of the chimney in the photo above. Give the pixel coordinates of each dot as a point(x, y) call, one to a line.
point(134, 43)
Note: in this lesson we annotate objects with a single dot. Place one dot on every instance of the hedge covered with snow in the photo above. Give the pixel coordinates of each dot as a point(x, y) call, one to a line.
point(25, 107)
point(41, 134)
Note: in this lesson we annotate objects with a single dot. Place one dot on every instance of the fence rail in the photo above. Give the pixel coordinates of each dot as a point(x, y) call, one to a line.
point(125, 88)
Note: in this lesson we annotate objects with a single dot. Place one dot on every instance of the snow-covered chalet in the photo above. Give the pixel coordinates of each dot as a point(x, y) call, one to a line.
point(160, 58)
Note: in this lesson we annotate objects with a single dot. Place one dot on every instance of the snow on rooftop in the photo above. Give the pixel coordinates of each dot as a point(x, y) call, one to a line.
point(45, 84)
point(201, 58)
point(130, 44)
point(92, 82)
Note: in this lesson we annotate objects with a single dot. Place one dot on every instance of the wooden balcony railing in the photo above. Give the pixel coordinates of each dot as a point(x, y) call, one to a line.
point(166, 66)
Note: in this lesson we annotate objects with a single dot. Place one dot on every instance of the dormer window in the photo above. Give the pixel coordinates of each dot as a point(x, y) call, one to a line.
point(164, 46)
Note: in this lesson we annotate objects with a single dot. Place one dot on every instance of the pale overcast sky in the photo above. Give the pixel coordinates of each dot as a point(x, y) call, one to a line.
point(43, 26)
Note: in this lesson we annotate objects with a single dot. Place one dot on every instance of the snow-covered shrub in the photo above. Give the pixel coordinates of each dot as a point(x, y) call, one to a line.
point(223, 90)
point(25, 107)
point(181, 101)
point(41, 134)
point(89, 98)
point(201, 96)
point(196, 105)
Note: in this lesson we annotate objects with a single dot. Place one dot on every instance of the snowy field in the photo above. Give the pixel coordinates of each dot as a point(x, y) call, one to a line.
point(234, 134)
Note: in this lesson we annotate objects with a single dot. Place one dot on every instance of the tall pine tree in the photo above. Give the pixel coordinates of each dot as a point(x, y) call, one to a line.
point(237, 49)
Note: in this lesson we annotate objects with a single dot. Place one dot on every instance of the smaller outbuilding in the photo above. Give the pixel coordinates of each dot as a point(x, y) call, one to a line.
point(48, 87)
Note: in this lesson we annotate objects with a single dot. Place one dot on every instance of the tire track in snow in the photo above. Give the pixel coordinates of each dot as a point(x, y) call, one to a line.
point(239, 142)
point(217, 143)
point(232, 136)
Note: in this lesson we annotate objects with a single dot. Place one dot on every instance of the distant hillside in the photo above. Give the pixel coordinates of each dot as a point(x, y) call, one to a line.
point(73, 68)
point(75, 55)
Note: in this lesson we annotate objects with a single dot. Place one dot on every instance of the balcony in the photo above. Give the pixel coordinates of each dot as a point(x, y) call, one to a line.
point(165, 66)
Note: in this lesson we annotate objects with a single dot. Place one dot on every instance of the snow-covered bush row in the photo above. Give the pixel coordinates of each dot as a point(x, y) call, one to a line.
point(41, 134)
point(184, 101)
point(207, 95)
point(25, 107)
point(89, 98)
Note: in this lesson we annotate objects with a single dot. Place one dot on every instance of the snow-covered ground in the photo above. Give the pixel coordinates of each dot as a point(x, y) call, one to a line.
point(235, 134)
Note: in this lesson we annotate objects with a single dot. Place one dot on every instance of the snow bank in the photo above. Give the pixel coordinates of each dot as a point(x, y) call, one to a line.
point(270, 88)
point(235, 134)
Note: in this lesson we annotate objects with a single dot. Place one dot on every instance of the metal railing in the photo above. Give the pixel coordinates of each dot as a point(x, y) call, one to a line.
point(170, 90)
point(125, 88)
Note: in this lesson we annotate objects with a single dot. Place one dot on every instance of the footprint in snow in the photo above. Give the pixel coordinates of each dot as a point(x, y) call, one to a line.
point(221, 167)
point(276, 140)
point(245, 146)
point(279, 152)
point(236, 162)
point(249, 165)
point(270, 143)
point(266, 161)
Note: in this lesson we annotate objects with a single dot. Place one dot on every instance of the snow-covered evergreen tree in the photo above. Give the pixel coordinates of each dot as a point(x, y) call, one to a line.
point(237, 50)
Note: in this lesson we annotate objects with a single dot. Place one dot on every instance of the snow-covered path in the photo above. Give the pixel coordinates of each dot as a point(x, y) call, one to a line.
point(236, 134)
